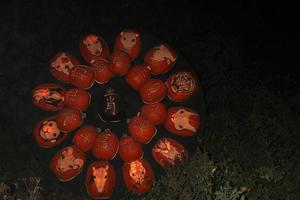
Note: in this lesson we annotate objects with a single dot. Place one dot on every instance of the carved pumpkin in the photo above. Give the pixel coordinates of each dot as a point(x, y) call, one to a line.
point(137, 76)
point(160, 58)
point(100, 180)
point(106, 145)
point(77, 98)
point(69, 119)
point(47, 134)
point(153, 91)
point(85, 137)
point(155, 113)
point(48, 97)
point(130, 42)
point(181, 86)
point(141, 129)
point(166, 151)
point(82, 77)
point(67, 163)
point(119, 63)
point(93, 47)
point(138, 176)
point(101, 71)
point(61, 65)
point(182, 121)
point(130, 150)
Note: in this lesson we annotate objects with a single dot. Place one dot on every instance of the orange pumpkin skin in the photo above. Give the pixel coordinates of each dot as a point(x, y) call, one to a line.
point(85, 137)
point(181, 86)
point(155, 113)
point(77, 98)
point(182, 121)
point(141, 129)
point(106, 146)
point(82, 77)
point(138, 176)
point(160, 58)
point(130, 150)
point(93, 47)
point(100, 180)
point(101, 71)
point(69, 119)
point(61, 65)
point(119, 63)
point(67, 163)
point(48, 97)
point(130, 42)
point(166, 151)
point(153, 91)
point(47, 134)
point(137, 76)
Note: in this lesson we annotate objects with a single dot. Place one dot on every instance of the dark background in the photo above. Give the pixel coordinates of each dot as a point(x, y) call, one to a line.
point(254, 41)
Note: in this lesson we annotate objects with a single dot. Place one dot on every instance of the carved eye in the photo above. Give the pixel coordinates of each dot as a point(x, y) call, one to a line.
point(124, 38)
point(63, 156)
point(71, 166)
point(50, 124)
point(57, 66)
point(132, 40)
point(94, 177)
point(67, 66)
point(105, 176)
point(180, 126)
point(181, 112)
point(54, 134)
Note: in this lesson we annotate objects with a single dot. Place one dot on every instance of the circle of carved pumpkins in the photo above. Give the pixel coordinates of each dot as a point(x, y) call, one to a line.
point(114, 112)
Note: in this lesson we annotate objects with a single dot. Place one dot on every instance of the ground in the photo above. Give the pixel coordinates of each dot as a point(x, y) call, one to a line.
point(244, 54)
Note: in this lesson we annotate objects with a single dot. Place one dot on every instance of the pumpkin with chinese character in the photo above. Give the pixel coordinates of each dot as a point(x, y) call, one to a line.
point(119, 63)
point(160, 58)
point(141, 129)
point(181, 86)
point(100, 180)
point(155, 113)
point(67, 163)
point(138, 176)
point(153, 91)
point(48, 97)
point(106, 145)
point(69, 119)
point(130, 42)
point(137, 76)
point(182, 121)
point(47, 134)
point(130, 150)
point(77, 98)
point(167, 151)
point(101, 71)
point(61, 65)
point(85, 137)
point(93, 47)
point(82, 77)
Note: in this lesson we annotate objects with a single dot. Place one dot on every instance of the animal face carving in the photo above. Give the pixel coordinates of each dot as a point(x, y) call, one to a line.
point(67, 161)
point(181, 120)
point(93, 45)
point(63, 64)
point(137, 171)
point(49, 131)
point(183, 82)
point(100, 177)
point(128, 40)
point(162, 53)
point(167, 150)
point(51, 96)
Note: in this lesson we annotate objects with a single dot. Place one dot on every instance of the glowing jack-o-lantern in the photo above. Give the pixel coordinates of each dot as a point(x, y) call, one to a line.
point(67, 163)
point(85, 137)
point(93, 47)
point(61, 65)
point(48, 97)
point(138, 176)
point(77, 98)
point(82, 77)
point(181, 86)
point(130, 42)
point(47, 134)
point(69, 119)
point(160, 58)
point(182, 121)
point(100, 180)
point(166, 151)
